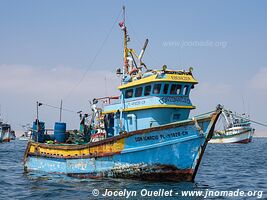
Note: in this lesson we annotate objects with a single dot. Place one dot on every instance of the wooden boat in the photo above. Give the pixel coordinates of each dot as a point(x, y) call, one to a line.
point(145, 133)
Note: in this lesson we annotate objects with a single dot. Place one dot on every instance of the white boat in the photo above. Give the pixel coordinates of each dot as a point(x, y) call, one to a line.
point(237, 130)
point(27, 133)
point(26, 136)
point(5, 132)
point(23, 138)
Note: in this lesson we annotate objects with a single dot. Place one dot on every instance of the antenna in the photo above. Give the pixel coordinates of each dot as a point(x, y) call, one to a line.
point(123, 9)
point(243, 101)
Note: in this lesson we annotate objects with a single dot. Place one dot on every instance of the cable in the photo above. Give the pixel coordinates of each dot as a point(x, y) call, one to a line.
point(94, 58)
point(51, 106)
point(259, 123)
point(205, 113)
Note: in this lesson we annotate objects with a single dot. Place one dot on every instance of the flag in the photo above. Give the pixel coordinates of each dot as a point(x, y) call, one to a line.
point(122, 25)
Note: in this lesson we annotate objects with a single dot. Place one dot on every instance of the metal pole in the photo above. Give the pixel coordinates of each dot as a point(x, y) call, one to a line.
point(123, 8)
point(37, 120)
point(125, 40)
point(37, 114)
point(60, 114)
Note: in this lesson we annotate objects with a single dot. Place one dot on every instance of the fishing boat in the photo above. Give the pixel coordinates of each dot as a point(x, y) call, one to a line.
point(24, 137)
point(6, 134)
point(237, 129)
point(27, 133)
point(144, 133)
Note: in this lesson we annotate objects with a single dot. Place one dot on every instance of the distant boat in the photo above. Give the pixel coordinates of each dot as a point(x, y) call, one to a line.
point(24, 138)
point(237, 130)
point(6, 134)
point(27, 133)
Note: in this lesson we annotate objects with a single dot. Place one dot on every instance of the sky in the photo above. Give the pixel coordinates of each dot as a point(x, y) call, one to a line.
point(52, 50)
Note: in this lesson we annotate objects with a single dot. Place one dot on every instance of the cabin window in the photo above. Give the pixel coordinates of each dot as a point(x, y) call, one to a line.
point(165, 89)
point(175, 89)
point(147, 90)
point(156, 89)
point(186, 90)
point(130, 119)
point(138, 92)
point(129, 93)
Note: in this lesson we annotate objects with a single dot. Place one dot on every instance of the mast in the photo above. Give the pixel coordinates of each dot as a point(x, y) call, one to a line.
point(60, 112)
point(125, 61)
point(125, 41)
point(37, 111)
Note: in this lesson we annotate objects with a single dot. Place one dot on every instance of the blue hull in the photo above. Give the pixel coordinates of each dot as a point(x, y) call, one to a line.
point(171, 152)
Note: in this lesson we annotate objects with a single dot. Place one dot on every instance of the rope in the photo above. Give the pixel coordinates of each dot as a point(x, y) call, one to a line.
point(94, 58)
point(51, 106)
point(201, 132)
point(253, 121)
point(205, 113)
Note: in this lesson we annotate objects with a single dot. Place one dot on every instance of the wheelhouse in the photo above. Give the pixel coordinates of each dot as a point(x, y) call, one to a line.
point(161, 98)
point(158, 89)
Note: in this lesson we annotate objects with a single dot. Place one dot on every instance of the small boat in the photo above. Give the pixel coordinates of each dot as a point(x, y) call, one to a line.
point(237, 129)
point(27, 133)
point(24, 138)
point(6, 134)
point(145, 133)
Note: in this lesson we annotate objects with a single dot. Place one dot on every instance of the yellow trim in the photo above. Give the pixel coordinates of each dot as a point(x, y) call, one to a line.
point(150, 107)
point(169, 77)
point(102, 149)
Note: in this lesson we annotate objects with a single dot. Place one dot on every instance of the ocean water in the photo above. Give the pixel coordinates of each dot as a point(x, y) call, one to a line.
point(225, 167)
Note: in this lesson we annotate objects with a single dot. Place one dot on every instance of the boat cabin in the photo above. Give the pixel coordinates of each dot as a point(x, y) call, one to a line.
point(156, 98)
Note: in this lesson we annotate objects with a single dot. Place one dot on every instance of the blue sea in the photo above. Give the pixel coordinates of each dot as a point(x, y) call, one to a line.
point(229, 168)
